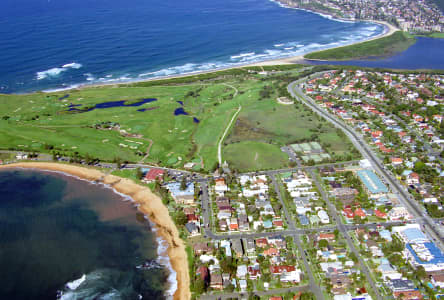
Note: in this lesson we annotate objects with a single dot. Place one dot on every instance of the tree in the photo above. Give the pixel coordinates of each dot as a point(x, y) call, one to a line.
point(420, 273)
point(336, 232)
point(353, 257)
point(200, 286)
point(181, 218)
point(139, 173)
point(183, 184)
point(230, 288)
point(323, 243)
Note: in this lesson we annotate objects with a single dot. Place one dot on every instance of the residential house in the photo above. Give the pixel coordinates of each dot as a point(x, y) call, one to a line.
point(201, 248)
point(326, 236)
point(185, 196)
point(192, 229)
point(220, 186)
point(271, 252)
point(412, 178)
point(241, 272)
point(237, 247)
point(216, 281)
point(254, 271)
point(249, 246)
point(153, 175)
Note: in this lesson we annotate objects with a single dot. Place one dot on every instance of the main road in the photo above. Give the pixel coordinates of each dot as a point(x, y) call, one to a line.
point(418, 212)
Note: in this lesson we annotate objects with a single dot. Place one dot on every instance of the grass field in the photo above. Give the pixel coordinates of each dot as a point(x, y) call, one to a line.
point(436, 35)
point(42, 122)
point(251, 156)
point(386, 46)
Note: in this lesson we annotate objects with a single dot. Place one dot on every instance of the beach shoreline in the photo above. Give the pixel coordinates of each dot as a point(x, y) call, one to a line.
point(298, 59)
point(146, 201)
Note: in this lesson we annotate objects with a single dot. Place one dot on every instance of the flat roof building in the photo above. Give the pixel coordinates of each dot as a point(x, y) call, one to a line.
point(372, 182)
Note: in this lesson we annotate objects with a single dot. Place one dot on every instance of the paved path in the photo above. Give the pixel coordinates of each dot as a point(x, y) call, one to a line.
point(219, 147)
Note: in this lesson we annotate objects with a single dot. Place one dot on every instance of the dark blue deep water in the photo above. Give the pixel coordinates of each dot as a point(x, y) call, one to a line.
point(54, 44)
point(426, 53)
point(54, 229)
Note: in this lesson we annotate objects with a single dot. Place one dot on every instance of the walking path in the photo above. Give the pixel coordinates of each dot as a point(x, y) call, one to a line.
point(219, 146)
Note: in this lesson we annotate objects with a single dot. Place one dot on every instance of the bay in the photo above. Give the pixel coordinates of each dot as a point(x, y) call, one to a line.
point(54, 229)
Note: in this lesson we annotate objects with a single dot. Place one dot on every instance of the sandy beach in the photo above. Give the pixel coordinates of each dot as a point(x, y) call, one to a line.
point(390, 29)
point(150, 204)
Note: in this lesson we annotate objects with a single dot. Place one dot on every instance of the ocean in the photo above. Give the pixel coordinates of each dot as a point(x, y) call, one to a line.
point(65, 238)
point(57, 44)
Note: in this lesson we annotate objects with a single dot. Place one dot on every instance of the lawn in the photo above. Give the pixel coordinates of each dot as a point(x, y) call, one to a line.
point(251, 156)
point(42, 122)
point(386, 46)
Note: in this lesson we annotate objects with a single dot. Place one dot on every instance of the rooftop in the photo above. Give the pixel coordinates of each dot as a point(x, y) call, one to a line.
point(372, 182)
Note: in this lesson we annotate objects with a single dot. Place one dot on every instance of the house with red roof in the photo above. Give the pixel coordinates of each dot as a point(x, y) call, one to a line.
point(348, 213)
point(377, 134)
point(360, 213)
point(261, 242)
point(271, 252)
point(408, 295)
point(154, 174)
point(193, 218)
point(254, 272)
point(396, 161)
point(326, 236)
point(278, 270)
point(233, 224)
point(412, 178)
point(279, 224)
point(380, 214)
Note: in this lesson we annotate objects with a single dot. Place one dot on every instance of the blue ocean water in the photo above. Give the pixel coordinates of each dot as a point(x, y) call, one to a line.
point(55, 44)
point(426, 53)
point(54, 229)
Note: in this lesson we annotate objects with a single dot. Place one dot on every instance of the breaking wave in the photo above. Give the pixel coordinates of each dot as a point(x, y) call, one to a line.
point(102, 284)
point(55, 72)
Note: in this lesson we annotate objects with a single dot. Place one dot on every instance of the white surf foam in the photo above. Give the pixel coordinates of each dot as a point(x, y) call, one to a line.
point(89, 76)
point(242, 55)
point(76, 283)
point(72, 65)
point(54, 72)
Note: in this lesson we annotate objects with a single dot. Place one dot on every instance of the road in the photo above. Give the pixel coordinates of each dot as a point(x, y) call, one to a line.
point(244, 295)
point(343, 229)
point(405, 198)
point(314, 287)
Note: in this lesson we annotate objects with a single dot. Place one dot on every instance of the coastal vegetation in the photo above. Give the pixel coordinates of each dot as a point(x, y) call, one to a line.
point(168, 122)
point(436, 35)
point(383, 47)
